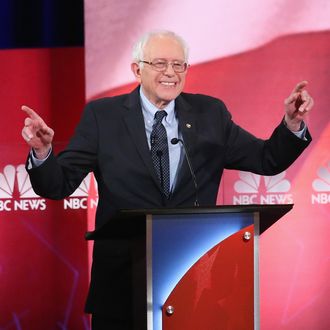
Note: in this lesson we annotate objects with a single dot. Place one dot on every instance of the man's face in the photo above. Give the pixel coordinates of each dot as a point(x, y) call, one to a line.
point(161, 87)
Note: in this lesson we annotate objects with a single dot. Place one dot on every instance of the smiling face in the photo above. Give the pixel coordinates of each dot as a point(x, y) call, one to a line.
point(161, 87)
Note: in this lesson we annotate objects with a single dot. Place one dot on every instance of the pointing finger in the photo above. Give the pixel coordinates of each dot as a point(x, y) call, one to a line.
point(31, 113)
point(35, 123)
point(300, 86)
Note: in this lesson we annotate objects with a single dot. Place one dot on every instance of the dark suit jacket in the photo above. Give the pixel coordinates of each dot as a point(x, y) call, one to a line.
point(110, 140)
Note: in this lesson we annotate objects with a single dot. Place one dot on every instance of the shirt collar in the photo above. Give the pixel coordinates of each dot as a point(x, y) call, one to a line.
point(150, 109)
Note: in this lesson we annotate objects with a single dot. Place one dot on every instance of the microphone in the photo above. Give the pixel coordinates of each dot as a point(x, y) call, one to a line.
point(176, 141)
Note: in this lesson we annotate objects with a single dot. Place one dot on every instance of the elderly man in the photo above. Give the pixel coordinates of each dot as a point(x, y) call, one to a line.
point(126, 141)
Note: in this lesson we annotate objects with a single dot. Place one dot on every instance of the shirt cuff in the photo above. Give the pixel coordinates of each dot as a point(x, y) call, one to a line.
point(301, 134)
point(34, 161)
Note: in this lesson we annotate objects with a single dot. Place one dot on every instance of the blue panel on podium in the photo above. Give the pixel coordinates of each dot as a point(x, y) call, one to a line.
point(178, 241)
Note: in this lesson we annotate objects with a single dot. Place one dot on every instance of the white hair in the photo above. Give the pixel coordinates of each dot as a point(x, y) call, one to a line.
point(138, 48)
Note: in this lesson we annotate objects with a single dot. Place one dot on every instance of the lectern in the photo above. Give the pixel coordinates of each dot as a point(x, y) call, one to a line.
point(201, 265)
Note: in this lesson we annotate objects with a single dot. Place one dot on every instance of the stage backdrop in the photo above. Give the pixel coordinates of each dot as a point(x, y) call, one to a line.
point(250, 54)
point(43, 255)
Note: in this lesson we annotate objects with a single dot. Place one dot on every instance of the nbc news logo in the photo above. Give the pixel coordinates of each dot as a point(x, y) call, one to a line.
point(16, 193)
point(257, 189)
point(19, 196)
point(81, 198)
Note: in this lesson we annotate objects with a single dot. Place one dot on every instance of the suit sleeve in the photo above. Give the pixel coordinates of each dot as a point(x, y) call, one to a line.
point(58, 177)
point(246, 152)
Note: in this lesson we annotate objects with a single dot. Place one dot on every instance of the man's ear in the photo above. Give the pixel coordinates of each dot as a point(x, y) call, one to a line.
point(136, 71)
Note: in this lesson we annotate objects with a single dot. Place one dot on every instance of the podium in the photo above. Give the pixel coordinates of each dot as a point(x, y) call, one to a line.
point(200, 266)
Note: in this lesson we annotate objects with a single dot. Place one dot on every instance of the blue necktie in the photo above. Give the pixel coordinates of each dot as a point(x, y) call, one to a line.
point(159, 151)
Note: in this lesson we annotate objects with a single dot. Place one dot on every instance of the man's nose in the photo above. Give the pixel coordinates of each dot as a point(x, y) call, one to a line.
point(169, 69)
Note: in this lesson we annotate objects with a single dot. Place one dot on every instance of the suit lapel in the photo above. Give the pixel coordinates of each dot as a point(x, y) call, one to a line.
point(187, 123)
point(188, 128)
point(135, 125)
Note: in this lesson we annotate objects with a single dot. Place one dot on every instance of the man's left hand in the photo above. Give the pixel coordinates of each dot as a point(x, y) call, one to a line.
point(297, 106)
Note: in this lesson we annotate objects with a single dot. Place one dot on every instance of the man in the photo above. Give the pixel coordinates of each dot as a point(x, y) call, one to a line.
point(126, 141)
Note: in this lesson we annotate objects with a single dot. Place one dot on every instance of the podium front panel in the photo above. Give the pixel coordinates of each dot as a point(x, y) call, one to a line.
point(199, 268)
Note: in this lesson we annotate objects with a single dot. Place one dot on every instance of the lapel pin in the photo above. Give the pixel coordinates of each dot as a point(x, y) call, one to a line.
point(188, 125)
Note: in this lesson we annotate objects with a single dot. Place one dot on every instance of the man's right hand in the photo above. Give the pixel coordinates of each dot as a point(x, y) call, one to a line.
point(37, 134)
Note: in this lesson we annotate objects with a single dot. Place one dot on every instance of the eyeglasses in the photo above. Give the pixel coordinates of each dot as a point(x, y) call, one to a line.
point(161, 65)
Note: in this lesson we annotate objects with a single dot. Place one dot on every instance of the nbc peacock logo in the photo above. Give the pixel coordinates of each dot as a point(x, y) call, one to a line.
point(321, 186)
point(16, 192)
point(85, 195)
point(256, 189)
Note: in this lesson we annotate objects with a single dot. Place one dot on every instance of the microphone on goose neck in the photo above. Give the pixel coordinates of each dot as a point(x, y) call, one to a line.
point(176, 141)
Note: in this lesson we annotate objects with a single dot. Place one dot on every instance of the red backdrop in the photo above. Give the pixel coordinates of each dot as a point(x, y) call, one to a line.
point(43, 259)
